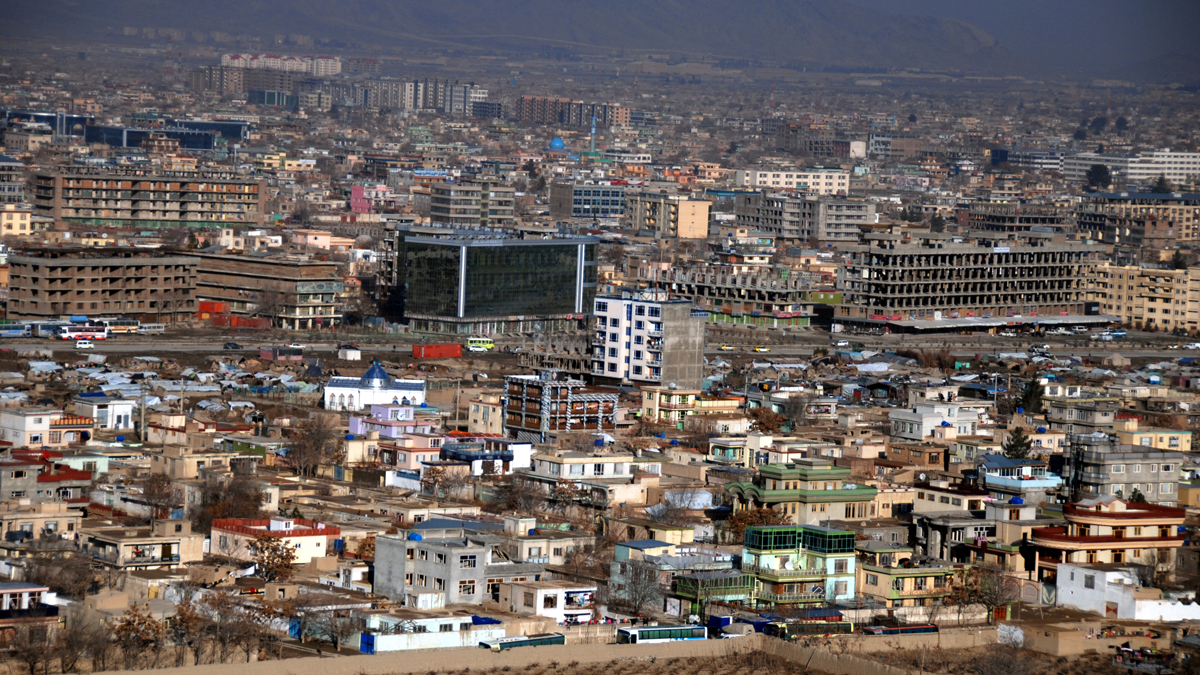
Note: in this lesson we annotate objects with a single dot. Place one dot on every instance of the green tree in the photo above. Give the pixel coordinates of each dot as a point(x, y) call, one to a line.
point(1098, 123)
point(1137, 497)
point(912, 118)
point(1161, 185)
point(1031, 399)
point(937, 223)
point(1179, 261)
point(1017, 445)
point(1080, 134)
point(1122, 124)
point(1098, 176)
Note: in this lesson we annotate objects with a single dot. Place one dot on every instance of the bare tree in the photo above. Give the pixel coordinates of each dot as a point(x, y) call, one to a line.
point(314, 444)
point(522, 494)
point(638, 587)
point(1006, 660)
point(30, 645)
point(795, 409)
point(996, 589)
point(270, 304)
point(336, 627)
point(224, 622)
point(138, 635)
point(676, 506)
point(66, 574)
point(158, 492)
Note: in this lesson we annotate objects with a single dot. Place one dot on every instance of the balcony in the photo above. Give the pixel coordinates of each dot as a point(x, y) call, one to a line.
point(920, 592)
point(790, 597)
point(1022, 483)
point(654, 333)
point(1057, 537)
point(813, 574)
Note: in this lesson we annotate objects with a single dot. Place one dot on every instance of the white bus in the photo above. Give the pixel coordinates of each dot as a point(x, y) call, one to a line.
point(119, 326)
point(152, 328)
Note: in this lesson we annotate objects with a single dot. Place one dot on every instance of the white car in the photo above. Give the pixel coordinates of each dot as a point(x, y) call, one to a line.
point(1192, 345)
point(293, 345)
point(476, 348)
point(842, 343)
point(1008, 333)
point(84, 344)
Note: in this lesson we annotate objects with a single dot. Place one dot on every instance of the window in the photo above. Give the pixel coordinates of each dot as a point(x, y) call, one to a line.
point(422, 581)
point(558, 552)
point(423, 555)
point(956, 501)
point(528, 599)
point(17, 474)
point(446, 628)
point(550, 602)
point(466, 587)
point(441, 558)
point(1118, 468)
point(872, 580)
point(439, 584)
point(839, 566)
point(597, 469)
point(640, 310)
point(1089, 581)
point(1168, 467)
point(898, 584)
point(639, 325)
point(839, 588)
point(655, 311)
point(601, 307)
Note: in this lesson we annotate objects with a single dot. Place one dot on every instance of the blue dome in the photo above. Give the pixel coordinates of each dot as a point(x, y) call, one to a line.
point(557, 144)
point(375, 378)
point(1016, 500)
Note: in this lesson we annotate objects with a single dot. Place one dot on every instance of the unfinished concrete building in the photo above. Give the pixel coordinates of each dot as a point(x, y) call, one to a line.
point(762, 296)
point(1017, 218)
point(49, 283)
point(920, 280)
point(295, 292)
point(147, 197)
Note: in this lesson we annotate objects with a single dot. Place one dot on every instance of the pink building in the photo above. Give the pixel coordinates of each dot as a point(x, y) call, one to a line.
point(410, 451)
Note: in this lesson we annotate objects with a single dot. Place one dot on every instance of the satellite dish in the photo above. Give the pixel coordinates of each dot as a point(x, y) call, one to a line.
point(920, 476)
point(787, 564)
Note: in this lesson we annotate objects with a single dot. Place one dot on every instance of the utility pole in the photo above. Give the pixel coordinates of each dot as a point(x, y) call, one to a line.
point(142, 424)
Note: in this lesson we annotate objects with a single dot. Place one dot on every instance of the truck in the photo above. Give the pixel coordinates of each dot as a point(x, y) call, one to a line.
point(438, 351)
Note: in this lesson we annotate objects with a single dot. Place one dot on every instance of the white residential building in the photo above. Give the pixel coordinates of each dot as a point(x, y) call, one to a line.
point(813, 181)
point(646, 337)
point(1118, 593)
point(943, 421)
point(1144, 168)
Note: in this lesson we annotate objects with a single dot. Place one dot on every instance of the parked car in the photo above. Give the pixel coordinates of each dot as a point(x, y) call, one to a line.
point(476, 348)
point(1008, 333)
point(1080, 329)
point(1041, 348)
point(232, 345)
point(84, 344)
point(1192, 345)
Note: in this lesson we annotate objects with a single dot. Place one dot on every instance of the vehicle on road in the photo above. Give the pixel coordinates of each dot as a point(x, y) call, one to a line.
point(1041, 348)
point(1058, 331)
point(501, 644)
point(1120, 333)
point(762, 349)
point(1174, 346)
point(348, 346)
point(1008, 333)
point(1102, 337)
point(1080, 329)
point(476, 348)
point(1192, 345)
point(842, 343)
point(900, 630)
point(232, 345)
point(653, 634)
point(84, 344)
point(487, 343)
point(294, 345)
point(727, 348)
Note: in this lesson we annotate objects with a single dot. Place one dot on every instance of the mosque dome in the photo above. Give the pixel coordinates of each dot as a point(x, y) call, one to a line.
point(557, 144)
point(375, 378)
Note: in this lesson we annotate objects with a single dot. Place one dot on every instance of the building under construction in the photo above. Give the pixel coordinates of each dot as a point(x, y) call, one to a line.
point(540, 407)
point(913, 280)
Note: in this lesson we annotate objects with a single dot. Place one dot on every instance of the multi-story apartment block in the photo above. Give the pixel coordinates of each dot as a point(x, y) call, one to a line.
point(454, 204)
point(538, 407)
point(799, 565)
point(926, 421)
point(1178, 167)
point(12, 180)
point(671, 406)
point(907, 276)
point(566, 112)
point(815, 181)
point(293, 291)
point(140, 197)
point(486, 414)
point(1080, 417)
point(1107, 529)
point(799, 218)
point(1167, 299)
point(17, 221)
point(806, 491)
point(992, 217)
point(1097, 465)
point(1122, 218)
point(587, 200)
point(669, 215)
point(48, 283)
point(762, 296)
point(646, 337)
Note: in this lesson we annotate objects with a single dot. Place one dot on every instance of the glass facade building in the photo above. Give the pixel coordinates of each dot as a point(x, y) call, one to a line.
point(468, 281)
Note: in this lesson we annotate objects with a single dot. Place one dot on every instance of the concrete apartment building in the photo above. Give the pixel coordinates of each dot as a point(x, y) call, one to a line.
point(1165, 298)
point(800, 218)
point(162, 545)
point(531, 110)
point(1021, 218)
point(145, 197)
point(295, 292)
point(1097, 465)
point(40, 518)
point(12, 180)
point(17, 221)
point(815, 181)
point(1178, 167)
point(234, 537)
point(904, 278)
point(645, 337)
point(669, 215)
point(764, 296)
point(49, 283)
point(461, 570)
point(484, 203)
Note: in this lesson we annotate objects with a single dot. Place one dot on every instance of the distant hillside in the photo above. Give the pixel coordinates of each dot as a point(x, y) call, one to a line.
point(817, 33)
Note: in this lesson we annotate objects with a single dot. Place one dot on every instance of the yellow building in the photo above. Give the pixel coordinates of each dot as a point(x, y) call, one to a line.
point(17, 221)
point(1166, 299)
point(1129, 433)
point(671, 215)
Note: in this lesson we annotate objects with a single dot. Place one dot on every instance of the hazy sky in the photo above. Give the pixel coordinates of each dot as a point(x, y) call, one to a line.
point(1083, 35)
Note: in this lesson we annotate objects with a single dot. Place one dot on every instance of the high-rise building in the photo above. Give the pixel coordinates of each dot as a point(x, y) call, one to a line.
point(914, 280)
point(1136, 219)
point(1143, 169)
point(1165, 299)
point(566, 112)
point(469, 281)
point(50, 283)
point(646, 337)
point(12, 180)
point(145, 197)
point(454, 204)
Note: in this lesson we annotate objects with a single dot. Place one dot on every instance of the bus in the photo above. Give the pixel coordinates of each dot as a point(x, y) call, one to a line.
point(152, 328)
point(500, 644)
point(797, 629)
point(49, 329)
point(651, 634)
point(12, 329)
point(485, 343)
point(82, 333)
point(900, 630)
point(121, 326)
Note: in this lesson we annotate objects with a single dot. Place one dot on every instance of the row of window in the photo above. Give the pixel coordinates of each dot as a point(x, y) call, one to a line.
point(1137, 468)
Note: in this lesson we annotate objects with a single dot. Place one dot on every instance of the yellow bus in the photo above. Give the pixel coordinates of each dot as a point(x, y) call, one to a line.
point(476, 343)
